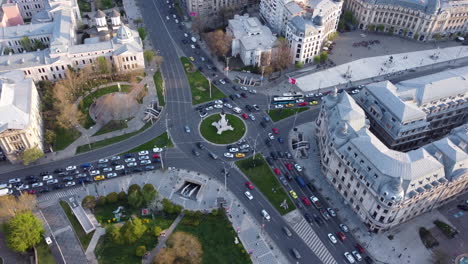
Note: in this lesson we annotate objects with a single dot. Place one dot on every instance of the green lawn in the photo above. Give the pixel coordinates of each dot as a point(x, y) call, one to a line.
point(209, 132)
point(88, 100)
point(199, 85)
point(158, 83)
point(82, 236)
point(216, 235)
point(109, 141)
point(44, 255)
point(264, 179)
point(113, 125)
point(84, 6)
point(64, 137)
point(160, 141)
point(278, 114)
point(104, 4)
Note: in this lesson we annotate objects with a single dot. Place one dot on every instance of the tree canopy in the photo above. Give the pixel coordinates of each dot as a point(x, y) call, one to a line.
point(24, 231)
point(32, 154)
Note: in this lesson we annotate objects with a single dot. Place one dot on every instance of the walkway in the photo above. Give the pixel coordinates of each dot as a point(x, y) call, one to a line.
point(162, 240)
point(90, 256)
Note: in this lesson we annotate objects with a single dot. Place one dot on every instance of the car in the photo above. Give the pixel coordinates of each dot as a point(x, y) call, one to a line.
point(46, 189)
point(228, 105)
point(331, 212)
point(268, 143)
point(248, 107)
point(344, 228)
point(243, 88)
point(94, 172)
point(37, 184)
point(306, 201)
point(111, 175)
point(59, 170)
point(277, 171)
point(103, 161)
point(300, 100)
point(23, 187)
point(48, 240)
point(325, 214)
point(341, 236)
point(273, 155)
point(102, 165)
point(270, 136)
point(14, 181)
point(244, 95)
point(119, 167)
point(68, 178)
point(240, 155)
point(192, 46)
point(156, 156)
point(150, 167)
point(70, 168)
point(202, 58)
point(70, 183)
point(218, 106)
point(47, 177)
point(287, 155)
point(279, 106)
point(130, 160)
point(289, 105)
point(84, 180)
point(349, 258)
point(203, 114)
point(132, 164)
point(263, 124)
point(237, 96)
point(157, 150)
point(200, 146)
point(245, 116)
point(222, 81)
point(266, 215)
point(298, 167)
point(293, 194)
point(356, 91)
point(289, 166)
point(143, 153)
point(368, 260)
point(192, 58)
point(253, 91)
point(249, 185)
point(313, 103)
point(129, 155)
point(275, 130)
point(249, 195)
point(99, 177)
point(463, 207)
point(145, 162)
point(287, 231)
point(295, 253)
point(332, 238)
point(308, 218)
point(53, 181)
point(236, 110)
point(228, 155)
point(318, 95)
point(283, 181)
point(252, 117)
point(359, 248)
point(143, 158)
point(302, 104)
point(107, 170)
point(167, 17)
point(233, 150)
point(80, 175)
point(280, 140)
point(256, 107)
point(187, 129)
point(195, 152)
point(213, 156)
point(269, 160)
point(318, 220)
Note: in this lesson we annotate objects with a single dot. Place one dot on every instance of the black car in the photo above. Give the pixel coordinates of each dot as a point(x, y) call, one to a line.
point(150, 167)
point(288, 176)
point(311, 187)
point(368, 260)
point(200, 68)
point(210, 104)
point(273, 155)
point(225, 100)
point(102, 165)
point(63, 174)
point(243, 95)
point(463, 207)
point(248, 107)
point(268, 142)
point(184, 41)
point(263, 124)
point(84, 180)
point(269, 160)
point(195, 152)
point(200, 145)
point(233, 97)
point(308, 218)
point(128, 155)
point(137, 169)
point(59, 170)
point(280, 154)
point(46, 189)
point(115, 163)
point(318, 220)
point(235, 88)
point(58, 186)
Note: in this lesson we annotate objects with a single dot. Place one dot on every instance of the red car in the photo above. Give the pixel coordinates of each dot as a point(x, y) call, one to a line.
point(277, 171)
point(275, 130)
point(302, 104)
point(341, 236)
point(249, 185)
point(359, 248)
point(245, 116)
point(156, 156)
point(289, 166)
point(31, 191)
point(305, 200)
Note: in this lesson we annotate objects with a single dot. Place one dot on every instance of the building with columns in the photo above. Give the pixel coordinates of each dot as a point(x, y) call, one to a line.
point(420, 20)
point(385, 187)
point(20, 116)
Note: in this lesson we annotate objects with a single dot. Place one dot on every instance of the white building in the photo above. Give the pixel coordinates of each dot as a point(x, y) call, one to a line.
point(385, 187)
point(421, 20)
point(250, 39)
point(273, 13)
point(29, 8)
point(20, 117)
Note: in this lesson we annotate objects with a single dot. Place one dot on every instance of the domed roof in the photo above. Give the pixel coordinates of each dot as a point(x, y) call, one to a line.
point(318, 20)
point(124, 33)
point(100, 14)
point(392, 190)
point(115, 13)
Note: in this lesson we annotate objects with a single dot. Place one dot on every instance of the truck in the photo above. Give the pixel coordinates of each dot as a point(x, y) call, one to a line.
point(194, 40)
point(316, 202)
point(300, 181)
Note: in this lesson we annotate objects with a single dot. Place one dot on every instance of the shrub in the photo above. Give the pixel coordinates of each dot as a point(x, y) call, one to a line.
point(428, 240)
point(122, 196)
point(112, 197)
point(140, 251)
point(446, 229)
point(101, 200)
point(88, 202)
point(133, 188)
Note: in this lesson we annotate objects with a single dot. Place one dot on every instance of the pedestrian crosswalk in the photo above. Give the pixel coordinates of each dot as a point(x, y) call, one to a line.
point(305, 231)
point(56, 195)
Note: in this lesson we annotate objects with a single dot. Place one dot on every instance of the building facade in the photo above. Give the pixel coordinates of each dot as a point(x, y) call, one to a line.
point(412, 113)
point(211, 10)
point(29, 8)
point(250, 39)
point(20, 116)
point(421, 20)
point(385, 187)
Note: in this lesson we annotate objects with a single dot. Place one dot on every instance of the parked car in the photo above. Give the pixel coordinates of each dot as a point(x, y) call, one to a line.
point(249, 185)
point(249, 195)
point(349, 258)
point(266, 215)
point(143, 153)
point(332, 238)
point(70, 168)
point(344, 228)
point(341, 236)
point(99, 177)
point(277, 171)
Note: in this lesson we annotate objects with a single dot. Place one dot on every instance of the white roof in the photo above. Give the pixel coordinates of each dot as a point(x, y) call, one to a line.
point(251, 33)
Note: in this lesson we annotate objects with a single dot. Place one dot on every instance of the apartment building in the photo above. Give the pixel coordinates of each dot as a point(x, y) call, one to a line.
point(20, 117)
point(385, 187)
point(210, 10)
point(421, 20)
point(29, 8)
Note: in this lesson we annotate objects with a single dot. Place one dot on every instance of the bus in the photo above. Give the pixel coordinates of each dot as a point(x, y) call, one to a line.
point(284, 100)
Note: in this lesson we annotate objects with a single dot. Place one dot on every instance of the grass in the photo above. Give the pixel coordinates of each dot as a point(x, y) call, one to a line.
point(104, 4)
point(264, 179)
point(161, 141)
point(449, 231)
point(82, 236)
point(278, 114)
point(88, 100)
point(64, 137)
point(84, 6)
point(427, 238)
point(216, 235)
point(113, 125)
point(109, 141)
point(44, 255)
point(158, 83)
point(209, 132)
point(199, 85)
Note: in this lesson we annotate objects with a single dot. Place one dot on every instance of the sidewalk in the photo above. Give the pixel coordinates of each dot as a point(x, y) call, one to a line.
point(90, 256)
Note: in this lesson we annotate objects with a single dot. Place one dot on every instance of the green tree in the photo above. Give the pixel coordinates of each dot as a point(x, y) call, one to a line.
point(23, 232)
point(132, 230)
point(142, 33)
point(323, 56)
point(31, 155)
point(101, 200)
point(157, 230)
point(371, 28)
point(135, 199)
point(149, 56)
point(134, 187)
point(103, 66)
point(333, 36)
point(149, 193)
point(122, 196)
point(416, 36)
point(26, 43)
point(380, 27)
point(88, 202)
point(114, 232)
point(299, 65)
point(49, 136)
point(436, 36)
point(168, 206)
point(140, 251)
point(112, 197)
point(316, 59)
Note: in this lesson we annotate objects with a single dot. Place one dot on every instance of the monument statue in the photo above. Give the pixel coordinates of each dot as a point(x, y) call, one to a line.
point(222, 125)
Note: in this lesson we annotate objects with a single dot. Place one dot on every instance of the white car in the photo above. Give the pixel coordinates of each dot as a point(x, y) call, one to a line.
point(47, 177)
point(192, 46)
point(209, 108)
point(266, 215)
point(145, 162)
point(111, 175)
point(245, 146)
point(14, 180)
point(131, 164)
point(349, 257)
point(186, 35)
point(94, 172)
point(103, 161)
point(252, 117)
point(218, 102)
point(237, 110)
point(174, 16)
point(115, 158)
point(23, 187)
point(202, 58)
point(356, 255)
point(167, 17)
point(143, 152)
point(130, 160)
point(119, 167)
point(107, 170)
point(243, 88)
point(332, 238)
point(233, 150)
point(249, 195)
point(270, 135)
point(218, 106)
point(70, 183)
point(222, 81)
point(203, 114)
point(228, 105)
point(298, 167)
point(48, 240)
point(53, 181)
point(355, 91)
point(344, 228)
point(143, 158)
point(70, 168)
point(157, 150)
point(318, 95)
point(37, 184)
point(253, 91)
point(300, 100)
point(228, 155)
point(279, 106)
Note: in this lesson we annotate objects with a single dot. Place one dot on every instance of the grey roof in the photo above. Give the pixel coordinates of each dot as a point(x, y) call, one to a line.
point(19, 31)
point(426, 6)
point(100, 14)
point(293, 8)
point(251, 33)
point(115, 13)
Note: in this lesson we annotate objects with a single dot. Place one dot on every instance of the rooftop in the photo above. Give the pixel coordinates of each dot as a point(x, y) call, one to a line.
point(251, 33)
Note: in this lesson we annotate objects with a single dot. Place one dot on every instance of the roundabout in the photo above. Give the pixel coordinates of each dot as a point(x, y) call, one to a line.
point(209, 131)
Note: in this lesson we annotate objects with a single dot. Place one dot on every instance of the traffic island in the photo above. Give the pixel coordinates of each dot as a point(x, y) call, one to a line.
point(210, 132)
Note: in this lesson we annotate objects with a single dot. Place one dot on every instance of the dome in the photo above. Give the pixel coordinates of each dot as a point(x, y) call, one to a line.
point(124, 33)
point(115, 13)
point(100, 14)
point(318, 20)
point(392, 190)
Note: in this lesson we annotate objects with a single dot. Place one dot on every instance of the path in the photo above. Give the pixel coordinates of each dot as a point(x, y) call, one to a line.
point(162, 239)
point(90, 256)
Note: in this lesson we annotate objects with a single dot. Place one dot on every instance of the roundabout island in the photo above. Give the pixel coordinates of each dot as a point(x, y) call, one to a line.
point(218, 130)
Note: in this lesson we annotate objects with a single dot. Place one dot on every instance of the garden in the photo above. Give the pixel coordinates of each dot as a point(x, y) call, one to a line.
point(209, 132)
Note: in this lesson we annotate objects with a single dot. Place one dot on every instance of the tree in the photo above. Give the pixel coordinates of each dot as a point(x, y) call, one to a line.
point(416, 36)
point(101, 200)
point(436, 36)
point(49, 136)
point(24, 232)
point(299, 65)
point(26, 44)
point(371, 28)
point(323, 56)
point(88, 202)
point(133, 187)
point(149, 56)
point(122, 196)
point(112, 197)
point(282, 54)
point(113, 231)
point(333, 36)
point(168, 206)
point(135, 199)
point(11, 205)
point(157, 231)
point(198, 25)
point(181, 248)
point(380, 27)
point(149, 193)
point(132, 230)
point(138, 21)
point(140, 251)
point(103, 66)
point(142, 33)
point(31, 155)
point(219, 42)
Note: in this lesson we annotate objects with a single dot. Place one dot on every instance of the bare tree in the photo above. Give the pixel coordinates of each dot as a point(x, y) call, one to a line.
point(11, 205)
point(182, 248)
point(198, 25)
point(282, 54)
point(68, 113)
point(219, 42)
